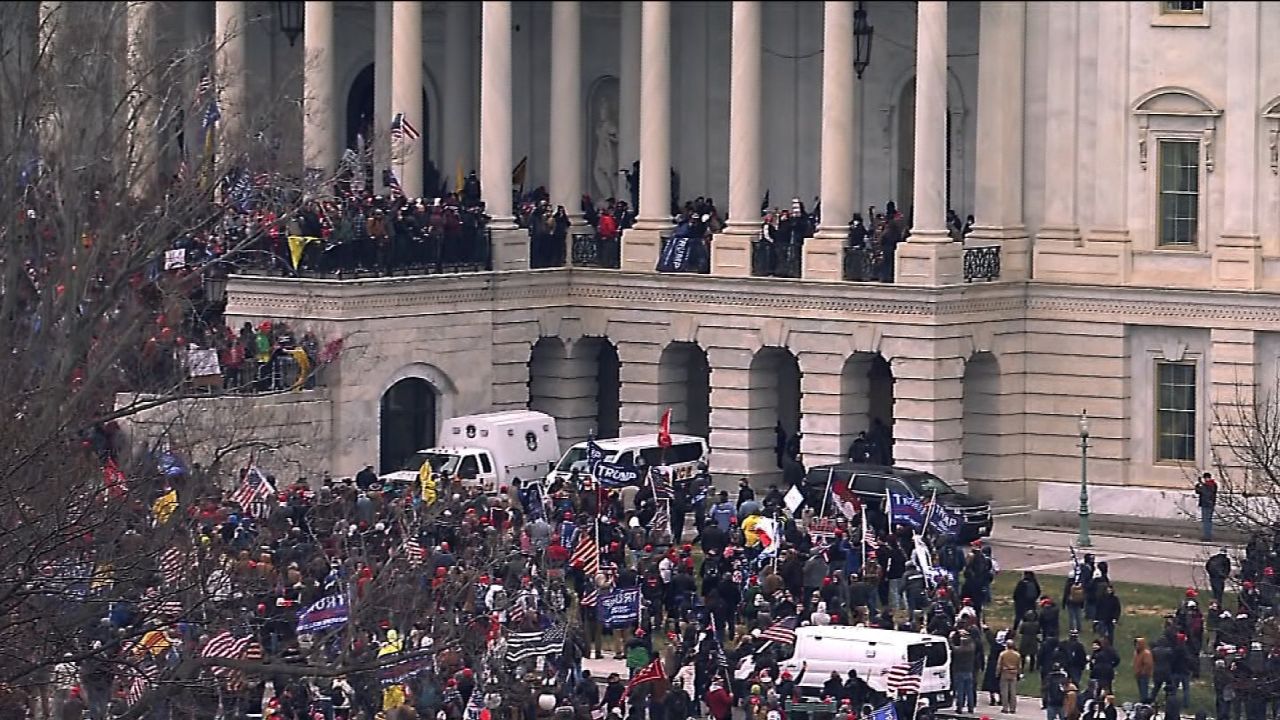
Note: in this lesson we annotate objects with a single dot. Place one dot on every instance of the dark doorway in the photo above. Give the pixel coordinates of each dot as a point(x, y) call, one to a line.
point(407, 421)
point(360, 121)
point(608, 384)
point(684, 379)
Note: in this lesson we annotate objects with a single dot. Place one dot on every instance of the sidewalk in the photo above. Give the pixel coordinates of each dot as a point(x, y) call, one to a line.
point(1020, 545)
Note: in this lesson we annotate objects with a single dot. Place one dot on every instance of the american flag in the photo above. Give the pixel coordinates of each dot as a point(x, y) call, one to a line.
point(475, 705)
point(172, 565)
point(661, 484)
point(537, 643)
point(206, 84)
point(228, 647)
point(138, 680)
point(390, 180)
point(254, 488)
point(586, 554)
point(905, 678)
point(783, 631)
point(402, 129)
point(414, 552)
point(662, 517)
point(591, 599)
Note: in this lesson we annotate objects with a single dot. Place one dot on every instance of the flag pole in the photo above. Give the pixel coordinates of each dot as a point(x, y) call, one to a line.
point(831, 473)
point(933, 499)
point(864, 540)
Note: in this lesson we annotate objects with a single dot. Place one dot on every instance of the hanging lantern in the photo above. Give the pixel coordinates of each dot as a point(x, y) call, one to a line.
point(290, 15)
point(862, 33)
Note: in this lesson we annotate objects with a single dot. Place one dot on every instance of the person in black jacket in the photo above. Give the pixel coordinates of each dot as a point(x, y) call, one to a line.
point(1025, 595)
point(1074, 656)
point(1107, 612)
point(1103, 663)
point(1049, 618)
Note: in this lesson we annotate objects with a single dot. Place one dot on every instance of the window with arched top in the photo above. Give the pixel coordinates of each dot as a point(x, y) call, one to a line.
point(1177, 128)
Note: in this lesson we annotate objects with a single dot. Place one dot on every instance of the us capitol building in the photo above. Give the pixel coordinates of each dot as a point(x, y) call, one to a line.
point(1120, 159)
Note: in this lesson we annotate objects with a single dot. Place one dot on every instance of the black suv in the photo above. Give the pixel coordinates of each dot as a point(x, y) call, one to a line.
point(869, 483)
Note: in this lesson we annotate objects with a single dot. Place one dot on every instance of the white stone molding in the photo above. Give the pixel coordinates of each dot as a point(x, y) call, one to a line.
point(1271, 113)
point(684, 328)
point(865, 338)
point(1171, 111)
point(773, 333)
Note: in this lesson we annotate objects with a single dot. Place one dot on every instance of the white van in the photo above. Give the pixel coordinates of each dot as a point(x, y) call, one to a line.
point(683, 457)
point(872, 652)
point(489, 450)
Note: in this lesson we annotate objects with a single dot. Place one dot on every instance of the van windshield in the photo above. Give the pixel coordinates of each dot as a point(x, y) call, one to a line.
point(439, 462)
point(576, 454)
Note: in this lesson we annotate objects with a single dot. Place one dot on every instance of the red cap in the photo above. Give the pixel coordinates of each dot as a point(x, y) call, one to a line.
point(1191, 592)
point(648, 548)
point(639, 632)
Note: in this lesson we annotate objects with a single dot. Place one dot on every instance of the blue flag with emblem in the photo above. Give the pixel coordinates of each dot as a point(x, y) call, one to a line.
point(885, 712)
point(595, 455)
point(905, 509)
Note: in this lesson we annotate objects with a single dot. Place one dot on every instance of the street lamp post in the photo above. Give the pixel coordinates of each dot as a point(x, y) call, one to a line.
point(1083, 540)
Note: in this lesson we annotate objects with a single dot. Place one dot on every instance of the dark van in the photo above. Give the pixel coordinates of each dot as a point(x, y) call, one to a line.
point(870, 481)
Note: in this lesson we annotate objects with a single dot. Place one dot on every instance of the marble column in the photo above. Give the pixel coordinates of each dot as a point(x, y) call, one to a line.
point(998, 206)
point(319, 131)
point(231, 42)
point(1061, 126)
point(495, 112)
point(456, 121)
point(1237, 258)
point(406, 92)
point(824, 253)
point(731, 252)
point(145, 99)
point(566, 109)
point(930, 257)
point(629, 92)
point(381, 93)
point(655, 116)
point(641, 244)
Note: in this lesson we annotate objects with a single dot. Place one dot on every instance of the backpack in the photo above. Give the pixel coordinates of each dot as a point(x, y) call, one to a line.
point(1077, 594)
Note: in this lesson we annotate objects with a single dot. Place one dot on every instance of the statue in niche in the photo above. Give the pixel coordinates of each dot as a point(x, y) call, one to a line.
point(604, 165)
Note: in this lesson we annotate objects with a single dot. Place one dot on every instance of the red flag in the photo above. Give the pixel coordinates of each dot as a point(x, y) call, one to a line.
point(845, 500)
point(664, 430)
point(649, 673)
point(113, 478)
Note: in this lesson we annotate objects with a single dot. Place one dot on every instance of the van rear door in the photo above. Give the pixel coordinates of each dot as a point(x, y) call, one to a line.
point(937, 664)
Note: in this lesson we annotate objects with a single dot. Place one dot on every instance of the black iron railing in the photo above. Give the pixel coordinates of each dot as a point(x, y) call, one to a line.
point(982, 263)
point(775, 259)
point(591, 250)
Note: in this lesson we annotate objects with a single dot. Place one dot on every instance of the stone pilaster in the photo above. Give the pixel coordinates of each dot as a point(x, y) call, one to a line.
point(639, 399)
point(1233, 386)
point(822, 422)
point(1237, 259)
point(928, 410)
point(736, 447)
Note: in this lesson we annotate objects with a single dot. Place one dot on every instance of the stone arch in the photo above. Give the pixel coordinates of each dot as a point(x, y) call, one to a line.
point(1174, 100)
point(684, 385)
point(410, 408)
point(983, 423)
point(902, 130)
point(866, 404)
point(773, 400)
point(362, 72)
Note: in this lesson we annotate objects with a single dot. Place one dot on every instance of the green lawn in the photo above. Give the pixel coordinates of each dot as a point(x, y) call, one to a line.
point(1144, 608)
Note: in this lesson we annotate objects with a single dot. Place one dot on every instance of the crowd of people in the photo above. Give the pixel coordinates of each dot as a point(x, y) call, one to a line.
point(491, 572)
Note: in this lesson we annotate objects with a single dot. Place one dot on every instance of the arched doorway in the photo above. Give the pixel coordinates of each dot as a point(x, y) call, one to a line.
point(684, 385)
point(578, 387)
point(774, 407)
point(906, 150)
point(866, 404)
point(407, 422)
point(361, 114)
point(981, 450)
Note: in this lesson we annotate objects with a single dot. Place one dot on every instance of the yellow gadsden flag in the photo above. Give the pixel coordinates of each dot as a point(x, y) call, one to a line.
point(164, 506)
point(427, 482)
point(304, 367)
point(297, 245)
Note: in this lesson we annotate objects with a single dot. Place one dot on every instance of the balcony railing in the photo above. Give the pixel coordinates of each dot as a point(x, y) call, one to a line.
point(684, 255)
point(863, 264)
point(594, 251)
point(468, 253)
point(775, 259)
point(982, 263)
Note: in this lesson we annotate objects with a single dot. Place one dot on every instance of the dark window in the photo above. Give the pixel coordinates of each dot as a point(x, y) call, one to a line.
point(934, 653)
point(1182, 6)
point(868, 484)
point(1175, 412)
point(469, 468)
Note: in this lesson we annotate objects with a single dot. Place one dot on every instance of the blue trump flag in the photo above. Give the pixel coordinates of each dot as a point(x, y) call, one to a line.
point(323, 614)
point(945, 521)
point(905, 510)
point(885, 712)
point(612, 475)
point(595, 455)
